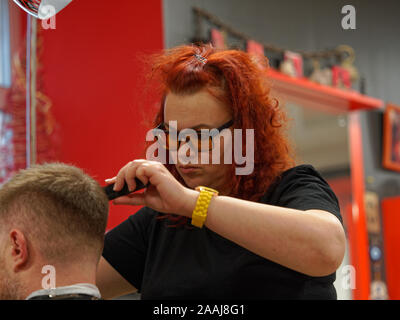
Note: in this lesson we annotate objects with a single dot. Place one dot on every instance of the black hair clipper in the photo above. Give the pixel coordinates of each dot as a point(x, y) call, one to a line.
point(111, 194)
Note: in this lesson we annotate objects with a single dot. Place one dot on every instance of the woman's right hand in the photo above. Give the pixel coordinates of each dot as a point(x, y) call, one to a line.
point(164, 193)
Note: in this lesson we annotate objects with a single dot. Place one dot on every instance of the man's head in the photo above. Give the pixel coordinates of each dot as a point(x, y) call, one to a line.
point(51, 214)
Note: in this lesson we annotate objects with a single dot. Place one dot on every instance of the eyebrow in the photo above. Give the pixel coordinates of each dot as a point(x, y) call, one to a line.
point(195, 127)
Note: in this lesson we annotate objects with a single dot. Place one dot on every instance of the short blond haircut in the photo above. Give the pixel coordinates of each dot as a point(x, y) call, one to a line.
point(59, 208)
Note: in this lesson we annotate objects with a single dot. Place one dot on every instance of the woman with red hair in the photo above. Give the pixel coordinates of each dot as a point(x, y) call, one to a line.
point(206, 231)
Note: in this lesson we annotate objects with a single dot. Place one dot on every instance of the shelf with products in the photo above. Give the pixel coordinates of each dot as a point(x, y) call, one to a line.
point(308, 93)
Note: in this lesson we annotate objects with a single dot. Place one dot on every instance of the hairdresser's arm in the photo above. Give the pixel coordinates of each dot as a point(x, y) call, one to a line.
point(110, 283)
point(311, 242)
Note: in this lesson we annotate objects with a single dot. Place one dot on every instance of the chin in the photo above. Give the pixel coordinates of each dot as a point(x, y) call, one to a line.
point(193, 182)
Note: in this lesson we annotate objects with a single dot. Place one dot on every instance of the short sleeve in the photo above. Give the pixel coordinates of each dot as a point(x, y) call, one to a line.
point(125, 247)
point(304, 188)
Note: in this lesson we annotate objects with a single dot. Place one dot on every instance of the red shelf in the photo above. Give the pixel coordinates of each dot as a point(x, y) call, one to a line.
point(305, 92)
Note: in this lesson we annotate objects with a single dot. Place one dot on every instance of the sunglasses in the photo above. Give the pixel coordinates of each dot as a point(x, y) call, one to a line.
point(203, 141)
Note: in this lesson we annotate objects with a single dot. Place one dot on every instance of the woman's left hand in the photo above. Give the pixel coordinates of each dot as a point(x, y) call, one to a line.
point(164, 194)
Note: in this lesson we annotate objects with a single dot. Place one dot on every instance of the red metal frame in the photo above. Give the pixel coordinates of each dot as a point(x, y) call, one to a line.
point(357, 225)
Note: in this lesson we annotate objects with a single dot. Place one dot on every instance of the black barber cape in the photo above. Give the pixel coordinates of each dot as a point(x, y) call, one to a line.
point(193, 263)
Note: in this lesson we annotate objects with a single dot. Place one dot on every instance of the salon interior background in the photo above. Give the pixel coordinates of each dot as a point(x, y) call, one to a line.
point(312, 25)
point(91, 72)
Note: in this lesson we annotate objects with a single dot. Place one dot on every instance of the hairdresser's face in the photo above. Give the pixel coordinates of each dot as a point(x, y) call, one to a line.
point(200, 110)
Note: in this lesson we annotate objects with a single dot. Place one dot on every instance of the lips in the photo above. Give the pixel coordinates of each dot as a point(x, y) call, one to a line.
point(188, 169)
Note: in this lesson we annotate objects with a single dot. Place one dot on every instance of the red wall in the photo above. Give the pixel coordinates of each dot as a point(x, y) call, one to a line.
point(391, 226)
point(93, 77)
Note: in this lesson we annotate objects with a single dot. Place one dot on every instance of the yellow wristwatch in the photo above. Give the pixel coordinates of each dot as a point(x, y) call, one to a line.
point(199, 214)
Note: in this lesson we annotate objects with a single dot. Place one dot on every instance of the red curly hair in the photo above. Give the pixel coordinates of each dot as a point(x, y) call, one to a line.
point(245, 88)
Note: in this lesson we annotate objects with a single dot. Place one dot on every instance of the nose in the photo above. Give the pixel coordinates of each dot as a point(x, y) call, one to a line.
point(190, 154)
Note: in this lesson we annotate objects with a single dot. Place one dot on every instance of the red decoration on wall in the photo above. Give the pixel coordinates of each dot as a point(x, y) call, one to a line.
point(341, 78)
point(218, 39)
point(255, 47)
point(292, 64)
point(391, 138)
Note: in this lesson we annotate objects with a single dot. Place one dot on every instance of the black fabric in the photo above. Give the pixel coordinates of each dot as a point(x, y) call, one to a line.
point(192, 263)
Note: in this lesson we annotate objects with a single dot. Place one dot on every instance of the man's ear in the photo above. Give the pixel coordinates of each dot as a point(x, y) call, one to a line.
point(19, 249)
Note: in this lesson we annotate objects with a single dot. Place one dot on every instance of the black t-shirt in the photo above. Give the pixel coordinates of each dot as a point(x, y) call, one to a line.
point(192, 263)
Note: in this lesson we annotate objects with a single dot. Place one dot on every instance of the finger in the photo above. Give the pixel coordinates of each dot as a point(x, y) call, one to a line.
point(153, 173)
point(141, 173)
point(120, 179)
point(136, 199)
point(121, 176)
point(111, 180)
point(130, 173)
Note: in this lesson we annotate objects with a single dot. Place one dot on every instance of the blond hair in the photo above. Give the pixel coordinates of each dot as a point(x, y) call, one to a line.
point(60, 209)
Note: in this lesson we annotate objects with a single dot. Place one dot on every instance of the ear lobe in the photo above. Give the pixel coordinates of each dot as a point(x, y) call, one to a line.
point(19, 249)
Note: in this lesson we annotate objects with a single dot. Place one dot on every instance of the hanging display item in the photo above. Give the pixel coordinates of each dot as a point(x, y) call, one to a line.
point(321, 75)
point(331, 67)
point(257, 50)
point(348, 62)
point(292, 64)
point(218, 39)
point(255, 47)
point(340, 78)
point(391, 138)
